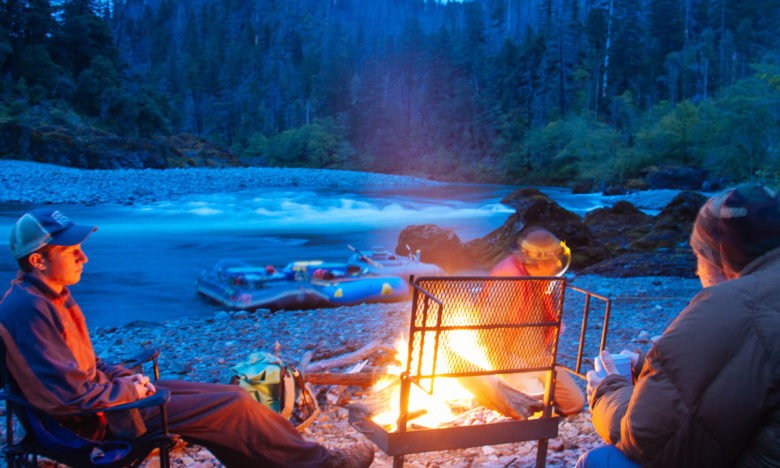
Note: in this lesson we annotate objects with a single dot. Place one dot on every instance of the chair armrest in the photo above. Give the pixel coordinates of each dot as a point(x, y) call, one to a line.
point(150, 354)
point(160, 397)
point(8, 396)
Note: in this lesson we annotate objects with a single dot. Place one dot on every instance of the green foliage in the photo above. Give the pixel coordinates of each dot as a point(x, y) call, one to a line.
point(487, 90)
point(315, 146)
point(742, 128)
point(572, 149)
point(37, 67)
point(677, 138)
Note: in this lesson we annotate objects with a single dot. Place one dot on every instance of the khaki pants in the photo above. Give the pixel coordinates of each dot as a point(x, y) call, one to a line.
point(568, 397)
point(238, 430)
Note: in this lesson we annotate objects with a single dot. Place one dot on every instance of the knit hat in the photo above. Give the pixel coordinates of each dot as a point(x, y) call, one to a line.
point(45, 226)
point(736, 226)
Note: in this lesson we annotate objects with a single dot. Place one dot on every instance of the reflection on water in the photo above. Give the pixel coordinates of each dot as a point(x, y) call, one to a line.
point(144, 259)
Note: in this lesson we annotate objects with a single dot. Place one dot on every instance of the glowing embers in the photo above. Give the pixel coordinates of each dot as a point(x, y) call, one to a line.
point(425, 409)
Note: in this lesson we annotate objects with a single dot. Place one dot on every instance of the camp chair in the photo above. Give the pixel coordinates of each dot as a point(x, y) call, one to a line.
point(46, 437)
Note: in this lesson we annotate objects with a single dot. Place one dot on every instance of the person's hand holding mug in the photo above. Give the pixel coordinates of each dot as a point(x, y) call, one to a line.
point(602, 367)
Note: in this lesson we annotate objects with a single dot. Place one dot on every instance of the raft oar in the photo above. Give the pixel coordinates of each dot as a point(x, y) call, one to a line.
point(363, 257)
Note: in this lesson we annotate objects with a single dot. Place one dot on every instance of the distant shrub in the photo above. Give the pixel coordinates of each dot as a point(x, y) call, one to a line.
point(18, 107)
point(315, 145)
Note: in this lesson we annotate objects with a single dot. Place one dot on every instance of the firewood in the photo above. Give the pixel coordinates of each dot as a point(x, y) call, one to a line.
point(346, 359)
point(495, 394)
point(305, 360)
point(359, 379)
point(378, 402)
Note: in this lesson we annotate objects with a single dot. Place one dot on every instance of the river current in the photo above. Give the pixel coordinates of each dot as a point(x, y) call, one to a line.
point(144, 259)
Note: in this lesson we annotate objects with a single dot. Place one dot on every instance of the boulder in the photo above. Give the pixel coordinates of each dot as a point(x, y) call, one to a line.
point(533, 208)
point(673, 225)
point(618, 226)
point(436, 245)
point(676, 177)
point(583, 186)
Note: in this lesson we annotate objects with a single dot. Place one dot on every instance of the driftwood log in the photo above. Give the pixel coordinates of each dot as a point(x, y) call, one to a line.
point(349, 358)
point(497, 395)
point(489, 391)
point(359, 379)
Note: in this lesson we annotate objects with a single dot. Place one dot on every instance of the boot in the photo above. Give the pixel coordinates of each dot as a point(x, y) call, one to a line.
point(358, 455)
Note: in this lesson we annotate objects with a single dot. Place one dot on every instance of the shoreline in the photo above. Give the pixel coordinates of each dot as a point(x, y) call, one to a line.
point(28, 182)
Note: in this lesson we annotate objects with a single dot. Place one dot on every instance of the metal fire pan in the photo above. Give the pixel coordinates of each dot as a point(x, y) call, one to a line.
point(447, 438)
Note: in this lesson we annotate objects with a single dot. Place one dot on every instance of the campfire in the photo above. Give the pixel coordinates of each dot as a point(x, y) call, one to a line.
point(468, 337)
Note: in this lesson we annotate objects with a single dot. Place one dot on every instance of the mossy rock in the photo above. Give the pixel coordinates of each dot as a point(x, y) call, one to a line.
point(533, 208)
point(673, 225)
point(619, 225)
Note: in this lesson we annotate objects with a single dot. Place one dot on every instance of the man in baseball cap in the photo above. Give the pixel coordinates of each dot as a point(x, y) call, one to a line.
point(49, 353)
point(45, 226)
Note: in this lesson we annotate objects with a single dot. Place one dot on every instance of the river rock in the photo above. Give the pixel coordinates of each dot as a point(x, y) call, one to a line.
point(583, 186)
point(672, 227)
point(663, 250)
point(619, 225)
point(533, 208)
point(437, 245)
point(677, 177)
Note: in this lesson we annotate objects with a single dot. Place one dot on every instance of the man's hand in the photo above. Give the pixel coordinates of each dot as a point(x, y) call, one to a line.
point(143, 387)
point(603, 367)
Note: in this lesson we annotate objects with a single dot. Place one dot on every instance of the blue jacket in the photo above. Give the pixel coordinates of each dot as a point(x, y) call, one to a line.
point(49, 353)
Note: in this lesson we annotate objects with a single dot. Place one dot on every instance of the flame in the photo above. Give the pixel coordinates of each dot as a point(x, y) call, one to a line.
point(447, 392)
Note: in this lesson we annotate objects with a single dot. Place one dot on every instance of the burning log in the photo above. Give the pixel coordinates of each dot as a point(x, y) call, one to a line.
point(378, 402)
point(495, 394)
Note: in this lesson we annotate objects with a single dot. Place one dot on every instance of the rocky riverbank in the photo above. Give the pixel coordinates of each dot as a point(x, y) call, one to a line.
point(37, 183)
point(204, 350)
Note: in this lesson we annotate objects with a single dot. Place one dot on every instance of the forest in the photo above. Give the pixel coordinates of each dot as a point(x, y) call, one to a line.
point(504, 91)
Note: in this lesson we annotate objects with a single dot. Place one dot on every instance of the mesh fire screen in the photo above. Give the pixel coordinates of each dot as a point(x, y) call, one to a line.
point(464, 327)
point(468, 326)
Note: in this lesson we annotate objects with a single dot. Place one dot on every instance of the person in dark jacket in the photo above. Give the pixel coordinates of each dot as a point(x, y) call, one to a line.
point(50, 355)
point(708, 393)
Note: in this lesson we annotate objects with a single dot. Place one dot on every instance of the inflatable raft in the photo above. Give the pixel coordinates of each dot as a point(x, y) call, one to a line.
point(382, 262)
point(300, 285)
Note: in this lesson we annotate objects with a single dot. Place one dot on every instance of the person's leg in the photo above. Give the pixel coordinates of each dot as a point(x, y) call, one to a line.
point(238, 430)
point(606, 456)
point(568, 396)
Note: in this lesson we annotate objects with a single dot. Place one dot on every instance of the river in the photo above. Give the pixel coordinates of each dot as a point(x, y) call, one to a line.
point(144, 259)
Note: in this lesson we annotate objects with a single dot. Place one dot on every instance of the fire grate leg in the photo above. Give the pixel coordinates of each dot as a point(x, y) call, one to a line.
point(541, 453)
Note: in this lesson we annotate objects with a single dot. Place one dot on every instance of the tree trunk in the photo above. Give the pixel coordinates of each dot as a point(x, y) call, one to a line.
point(604, 80)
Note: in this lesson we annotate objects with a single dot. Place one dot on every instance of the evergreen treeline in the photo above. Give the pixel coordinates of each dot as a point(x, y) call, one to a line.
point(543, 91)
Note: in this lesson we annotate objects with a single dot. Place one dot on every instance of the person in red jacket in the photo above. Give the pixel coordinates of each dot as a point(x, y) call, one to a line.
point(541, 253)
point(50, 355)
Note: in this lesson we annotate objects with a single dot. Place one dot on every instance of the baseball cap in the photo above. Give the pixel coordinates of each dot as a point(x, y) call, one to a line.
point(737, 226)
point(45, 226)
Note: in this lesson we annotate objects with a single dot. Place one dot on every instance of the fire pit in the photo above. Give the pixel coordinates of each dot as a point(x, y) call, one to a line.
point(465, 328)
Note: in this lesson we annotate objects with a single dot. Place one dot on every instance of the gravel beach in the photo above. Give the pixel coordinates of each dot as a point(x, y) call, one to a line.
point(204, 349)
point(36, 183)
point(194, 349)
